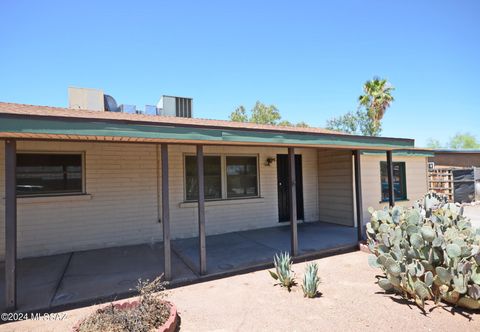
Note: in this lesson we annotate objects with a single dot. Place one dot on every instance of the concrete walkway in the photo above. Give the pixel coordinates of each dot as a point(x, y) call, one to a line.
point(87, 277)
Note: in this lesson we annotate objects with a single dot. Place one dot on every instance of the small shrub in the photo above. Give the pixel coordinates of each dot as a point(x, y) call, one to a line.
point(429, 251)
point(150, 313)
point(310, 280)
point(283, 270)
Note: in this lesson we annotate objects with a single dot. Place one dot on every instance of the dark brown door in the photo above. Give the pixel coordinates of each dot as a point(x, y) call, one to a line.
point(283, 192)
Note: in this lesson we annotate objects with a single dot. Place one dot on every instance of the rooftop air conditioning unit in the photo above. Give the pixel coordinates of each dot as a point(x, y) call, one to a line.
point(86, 99)
point(130, 109)
point(150, 110)
point(175, 106)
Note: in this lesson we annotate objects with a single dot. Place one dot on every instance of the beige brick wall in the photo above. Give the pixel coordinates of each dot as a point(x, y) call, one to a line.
point(235, 215)
point(121, 208)
point(416, 173)
point(335, 186)
point(121, 180)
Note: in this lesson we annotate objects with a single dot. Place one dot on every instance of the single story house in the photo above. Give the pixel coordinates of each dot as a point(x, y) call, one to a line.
point(77, 179)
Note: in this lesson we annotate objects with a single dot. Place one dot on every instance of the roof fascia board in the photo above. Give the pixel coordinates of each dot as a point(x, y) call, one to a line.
point(122, 129)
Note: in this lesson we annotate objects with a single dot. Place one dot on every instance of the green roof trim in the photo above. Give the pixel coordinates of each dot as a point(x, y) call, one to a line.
point(75, 126)
point(403, 153)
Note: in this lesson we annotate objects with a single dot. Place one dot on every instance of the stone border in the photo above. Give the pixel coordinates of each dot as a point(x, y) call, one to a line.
point(171, 324)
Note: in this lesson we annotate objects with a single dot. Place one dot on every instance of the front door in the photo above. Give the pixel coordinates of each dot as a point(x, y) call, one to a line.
point(282, 184)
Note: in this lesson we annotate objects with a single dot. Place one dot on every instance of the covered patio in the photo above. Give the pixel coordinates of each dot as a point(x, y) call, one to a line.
point(102, 273)
point(73, 279)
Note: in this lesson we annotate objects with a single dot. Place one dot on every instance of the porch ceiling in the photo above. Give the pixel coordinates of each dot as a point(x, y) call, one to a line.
point(77, 126)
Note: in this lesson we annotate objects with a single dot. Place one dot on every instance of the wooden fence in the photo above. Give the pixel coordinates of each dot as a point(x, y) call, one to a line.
point(440, 180)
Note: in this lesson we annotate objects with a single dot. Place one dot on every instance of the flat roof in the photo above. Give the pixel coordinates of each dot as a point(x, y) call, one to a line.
point(405, 153)
point(474, 151)
point(54, 123)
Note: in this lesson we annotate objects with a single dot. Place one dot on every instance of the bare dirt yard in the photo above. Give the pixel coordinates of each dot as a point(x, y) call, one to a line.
point(350, 301)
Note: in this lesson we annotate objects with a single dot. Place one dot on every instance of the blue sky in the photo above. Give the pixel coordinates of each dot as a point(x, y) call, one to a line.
point(309, 58)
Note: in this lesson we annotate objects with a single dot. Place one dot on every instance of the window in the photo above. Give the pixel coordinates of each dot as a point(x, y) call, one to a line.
point(49, 174)
point(226, 177)
point(399, 181)
point(213, 177)
point(241, 176)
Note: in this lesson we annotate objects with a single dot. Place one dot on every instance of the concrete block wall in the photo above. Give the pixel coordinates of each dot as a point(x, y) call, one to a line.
point(120, 208)
point(121, 205)
point(239, 214)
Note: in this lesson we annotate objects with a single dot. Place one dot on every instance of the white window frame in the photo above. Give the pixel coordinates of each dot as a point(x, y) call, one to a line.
point(83, 165)
point(223, 170)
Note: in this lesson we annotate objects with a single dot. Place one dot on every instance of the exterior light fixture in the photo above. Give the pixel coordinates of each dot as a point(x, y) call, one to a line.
point(269, 161)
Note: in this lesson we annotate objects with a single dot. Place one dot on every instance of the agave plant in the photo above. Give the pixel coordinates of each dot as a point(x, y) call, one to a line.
point(310, 280)
point(283, 270)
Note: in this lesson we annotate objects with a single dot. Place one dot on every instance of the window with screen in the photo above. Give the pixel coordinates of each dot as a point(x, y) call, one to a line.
point(213, 177)
point(241, 176)
point(49, 174)
point(399, 181)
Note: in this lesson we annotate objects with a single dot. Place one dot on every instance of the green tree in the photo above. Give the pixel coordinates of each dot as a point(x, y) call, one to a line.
point(286, 123)
point(239, 115)
point(302, 124)
point(459, 141)
point(372, 106)
point(357, 123)
point(262, 114)
point(463, 141)
point(376, 99)
point(433, 143)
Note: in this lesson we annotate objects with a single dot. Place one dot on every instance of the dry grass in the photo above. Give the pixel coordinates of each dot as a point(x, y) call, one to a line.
point(146, 314)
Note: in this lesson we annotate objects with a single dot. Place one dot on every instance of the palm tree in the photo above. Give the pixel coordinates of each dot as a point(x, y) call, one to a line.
point(376, 99)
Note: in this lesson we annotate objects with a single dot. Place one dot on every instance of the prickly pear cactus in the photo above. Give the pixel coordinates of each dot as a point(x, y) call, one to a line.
point(427, 252)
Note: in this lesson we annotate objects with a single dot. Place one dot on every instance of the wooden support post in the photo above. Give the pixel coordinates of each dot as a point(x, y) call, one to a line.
point(292, 185)
point(166, 214)
point(358, 196)
point(201, 210)
point(391, 193)
point(10, 225)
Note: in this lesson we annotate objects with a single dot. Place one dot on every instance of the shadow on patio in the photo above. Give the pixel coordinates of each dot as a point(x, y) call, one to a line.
point(240, 250)
point(85, 277)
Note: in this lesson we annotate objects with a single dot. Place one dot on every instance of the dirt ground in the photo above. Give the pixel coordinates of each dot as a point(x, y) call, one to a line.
point(473, 212)
point(350, 301)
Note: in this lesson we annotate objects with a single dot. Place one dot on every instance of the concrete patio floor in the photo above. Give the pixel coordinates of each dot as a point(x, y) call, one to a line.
point(86, 277)
point(234, 251)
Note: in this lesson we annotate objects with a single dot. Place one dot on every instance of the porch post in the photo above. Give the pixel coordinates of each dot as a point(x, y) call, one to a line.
point(358, 195)
point(391, 197)
point(166, 214)
point(10, 226)
point(292, 185)
point(201, 210)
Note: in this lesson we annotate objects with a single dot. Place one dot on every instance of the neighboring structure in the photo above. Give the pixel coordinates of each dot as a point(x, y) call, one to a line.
point(456, 158)
point(76, 179)
point(455, 173)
